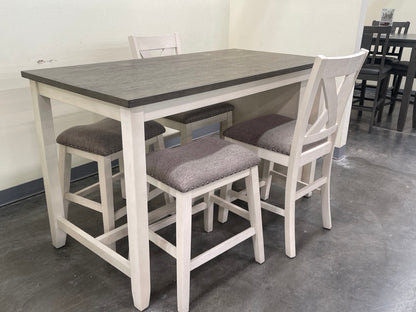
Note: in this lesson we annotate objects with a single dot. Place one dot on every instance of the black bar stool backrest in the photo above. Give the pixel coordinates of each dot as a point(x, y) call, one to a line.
point(397, 28)
point(376, 38)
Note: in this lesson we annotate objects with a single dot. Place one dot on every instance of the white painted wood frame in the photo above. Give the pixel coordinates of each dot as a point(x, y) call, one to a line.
point(132, 122)
point(184, 211)
point(329, 101)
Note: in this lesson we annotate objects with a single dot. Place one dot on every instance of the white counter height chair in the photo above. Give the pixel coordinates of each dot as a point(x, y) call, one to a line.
point(100, 142)
point(146, 47)
point(195, 169)
point(297, 143)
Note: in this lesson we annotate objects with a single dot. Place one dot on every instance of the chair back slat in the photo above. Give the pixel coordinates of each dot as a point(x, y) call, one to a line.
point(376, 40)
point(322, 90)
point(396, 28)
point(145, 47)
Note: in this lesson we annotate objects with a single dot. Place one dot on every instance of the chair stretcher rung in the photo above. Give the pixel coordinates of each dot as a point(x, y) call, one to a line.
point(220, 248)
point(94, 245)
point(231, 207)
point(272, 208)
point(162, 243)
point(113, 235)
point(156, 226)
point(83, 201)
point(312, 186)
point(96, 186)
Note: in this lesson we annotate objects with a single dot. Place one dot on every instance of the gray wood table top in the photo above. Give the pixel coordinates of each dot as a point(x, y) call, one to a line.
point(133, 83)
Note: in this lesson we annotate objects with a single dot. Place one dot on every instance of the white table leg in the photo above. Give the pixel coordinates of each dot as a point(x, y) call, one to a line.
point(132, 125)
point(49, 159)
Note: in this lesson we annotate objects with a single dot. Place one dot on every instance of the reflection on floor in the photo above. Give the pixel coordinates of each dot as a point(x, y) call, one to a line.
point(365, 263)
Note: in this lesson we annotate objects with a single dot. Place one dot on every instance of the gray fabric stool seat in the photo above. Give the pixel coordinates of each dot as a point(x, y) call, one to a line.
point(202, 113)
point(103, 137)
point(194, 170)
point(198, 163)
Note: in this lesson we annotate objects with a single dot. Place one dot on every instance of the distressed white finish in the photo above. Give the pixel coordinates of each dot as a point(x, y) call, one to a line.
point(182, 251)
point(105, 184)
point(144, 47)
point(323, 96)
point(132, 121)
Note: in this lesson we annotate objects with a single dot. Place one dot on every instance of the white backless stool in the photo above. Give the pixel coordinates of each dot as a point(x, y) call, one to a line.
point(186, 122)
point(196, 169)
point(100, 142)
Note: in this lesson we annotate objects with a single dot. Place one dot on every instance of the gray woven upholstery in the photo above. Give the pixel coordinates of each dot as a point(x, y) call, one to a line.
point(202, 113)
point(198, 163)
point(272, 132)
point(103, 137)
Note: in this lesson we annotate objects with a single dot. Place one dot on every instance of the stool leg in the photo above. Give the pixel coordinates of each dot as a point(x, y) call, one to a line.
point(106, 194)
point(183, 249)
point(65, 174)
point(254, 208)
point(222, 212)
point(209, 212)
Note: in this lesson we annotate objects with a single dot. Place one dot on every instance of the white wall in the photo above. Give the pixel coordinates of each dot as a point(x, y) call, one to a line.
point(306, 27)
point(404, 10)
point(50, 33)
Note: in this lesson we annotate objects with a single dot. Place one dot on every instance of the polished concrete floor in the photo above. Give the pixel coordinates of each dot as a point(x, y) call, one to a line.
point(367, 262)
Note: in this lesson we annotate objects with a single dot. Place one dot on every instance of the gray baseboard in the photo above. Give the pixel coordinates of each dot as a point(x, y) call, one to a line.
point(31, 188)
point(339, 152)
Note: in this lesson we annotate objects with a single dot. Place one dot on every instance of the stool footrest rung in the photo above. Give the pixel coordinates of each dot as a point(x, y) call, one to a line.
point(95, 245)
point(221, 248)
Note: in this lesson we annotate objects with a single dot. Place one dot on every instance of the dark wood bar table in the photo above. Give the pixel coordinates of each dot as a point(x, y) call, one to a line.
point(134, 91)
point(406, 41)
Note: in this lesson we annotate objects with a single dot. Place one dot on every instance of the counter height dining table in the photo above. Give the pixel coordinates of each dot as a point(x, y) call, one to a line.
point(134, 91)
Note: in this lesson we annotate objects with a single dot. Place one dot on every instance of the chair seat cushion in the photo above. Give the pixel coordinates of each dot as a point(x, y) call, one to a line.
point(103, 137)
point(198, 163)
point(400, 67)
point(202, 113)
point(374, 70)
point(272, 132)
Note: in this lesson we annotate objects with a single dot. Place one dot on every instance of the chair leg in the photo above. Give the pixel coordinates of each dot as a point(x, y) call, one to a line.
point(254, 208)
point(106, 193)
point(362, 96)
point(225, 124)
point(160, 143)
point(308, 175)
point(290, 199)
point(325, 193)
point(183, 250)
point(186, 135)
point(394, 93)
point(267, 176)
point(222, 212)
point(209, 212)
point(382, 99)
point(65, 174)
point(375, 106)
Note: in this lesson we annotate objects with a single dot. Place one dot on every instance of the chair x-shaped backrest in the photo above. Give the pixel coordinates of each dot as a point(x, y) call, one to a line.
point(145, 47)
point(327, 100)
